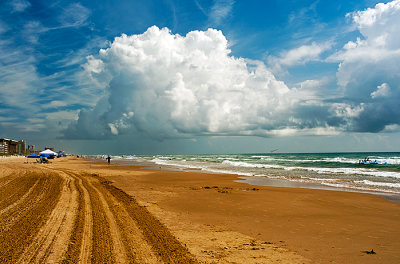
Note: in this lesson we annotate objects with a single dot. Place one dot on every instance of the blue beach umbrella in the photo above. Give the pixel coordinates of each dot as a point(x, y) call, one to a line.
point(33, 156)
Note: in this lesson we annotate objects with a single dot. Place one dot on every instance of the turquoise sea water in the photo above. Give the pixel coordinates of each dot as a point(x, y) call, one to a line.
point(334, 170)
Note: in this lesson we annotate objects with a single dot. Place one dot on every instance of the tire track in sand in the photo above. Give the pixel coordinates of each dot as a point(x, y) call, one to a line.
point(87, 236)
point(19, 226)
point(14, 215)
point(102, 245)
point(138, 250)
point(131, 239)
point(163, 242)
point(20, 200)
point(6, 180)
point(71, 217)
point(18, 184)
point(51, 242)
point(80, 247)
point(118, 245)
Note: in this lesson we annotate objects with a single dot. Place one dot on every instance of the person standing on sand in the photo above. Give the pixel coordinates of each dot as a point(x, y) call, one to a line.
point(108, 159)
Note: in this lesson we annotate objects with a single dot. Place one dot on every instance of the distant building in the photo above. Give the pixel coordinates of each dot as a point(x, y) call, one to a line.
point(31, 149)
point(21, 147)
point(4, 146)
point(9, 146)
point(12, 146)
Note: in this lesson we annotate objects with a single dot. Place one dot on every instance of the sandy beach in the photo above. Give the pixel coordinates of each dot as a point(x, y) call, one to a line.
point(83, 211)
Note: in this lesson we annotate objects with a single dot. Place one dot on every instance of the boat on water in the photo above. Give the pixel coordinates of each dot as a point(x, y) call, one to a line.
point(368, 161)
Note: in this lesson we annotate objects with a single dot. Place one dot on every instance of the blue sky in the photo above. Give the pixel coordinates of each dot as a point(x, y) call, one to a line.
point(193, 76)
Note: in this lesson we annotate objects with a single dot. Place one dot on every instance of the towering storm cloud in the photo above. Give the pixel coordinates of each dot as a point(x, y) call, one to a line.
point(167, 85)
point(369, 70)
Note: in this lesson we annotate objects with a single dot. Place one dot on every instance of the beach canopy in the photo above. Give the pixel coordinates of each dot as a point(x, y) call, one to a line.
point(33, 156)
point(48, 152)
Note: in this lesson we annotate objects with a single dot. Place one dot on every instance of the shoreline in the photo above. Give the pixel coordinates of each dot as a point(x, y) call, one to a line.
point(315, 186)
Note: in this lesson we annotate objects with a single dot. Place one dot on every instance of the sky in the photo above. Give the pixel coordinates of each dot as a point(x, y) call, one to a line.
point(201, 76)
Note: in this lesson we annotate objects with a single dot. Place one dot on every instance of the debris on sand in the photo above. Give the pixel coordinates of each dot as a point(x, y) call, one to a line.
point(369, 252)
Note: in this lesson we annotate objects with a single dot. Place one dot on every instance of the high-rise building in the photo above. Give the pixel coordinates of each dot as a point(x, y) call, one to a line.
point(3, 146)
point(31, 149)
point(21, 147)
point(9, 146)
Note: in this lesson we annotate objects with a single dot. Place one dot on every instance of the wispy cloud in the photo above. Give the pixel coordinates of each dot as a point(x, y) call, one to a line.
point(19, 5)
point(19, 79)
point(3, 27)
point(74, 15)
point(49, 90)
point(78, 56)
point(32, 30)
point(220, 10)
point(304, 15)
point(63, 115)
point(297, 56)
point(201, 8)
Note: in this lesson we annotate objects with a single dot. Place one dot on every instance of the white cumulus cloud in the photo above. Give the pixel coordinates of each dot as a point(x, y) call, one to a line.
point(372, 61)
point(382, 91)
point(167, 85)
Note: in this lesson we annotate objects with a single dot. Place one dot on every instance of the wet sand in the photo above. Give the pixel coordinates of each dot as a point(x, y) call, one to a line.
point(220, 220)
point(323, 226)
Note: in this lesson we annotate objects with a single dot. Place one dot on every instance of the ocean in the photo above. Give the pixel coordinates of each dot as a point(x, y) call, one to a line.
point(340, 171)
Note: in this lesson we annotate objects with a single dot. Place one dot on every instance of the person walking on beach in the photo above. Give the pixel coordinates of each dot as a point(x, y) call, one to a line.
point(108, 159)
